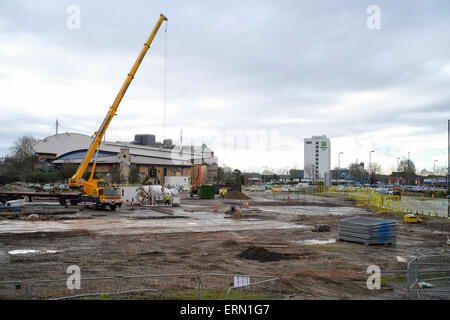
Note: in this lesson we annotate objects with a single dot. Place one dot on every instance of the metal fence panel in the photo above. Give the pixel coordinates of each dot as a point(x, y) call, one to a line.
point(14, 290)
point(214, 286)
point(413, 273)
point(163, 286)
point(98, 287)
point(217, 285)
point(260, 290)
point(429, 206)
point(432, 276)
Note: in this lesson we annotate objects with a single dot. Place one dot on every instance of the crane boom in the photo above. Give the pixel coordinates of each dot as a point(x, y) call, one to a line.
point(74, 181)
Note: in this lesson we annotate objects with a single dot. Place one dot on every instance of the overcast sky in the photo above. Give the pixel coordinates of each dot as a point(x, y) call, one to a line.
point(251, 79)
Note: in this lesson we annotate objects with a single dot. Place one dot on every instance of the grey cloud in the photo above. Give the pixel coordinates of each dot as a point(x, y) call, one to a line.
point(270, 61)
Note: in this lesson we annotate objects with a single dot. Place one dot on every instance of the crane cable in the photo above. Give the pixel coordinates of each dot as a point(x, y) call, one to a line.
point(165, 82)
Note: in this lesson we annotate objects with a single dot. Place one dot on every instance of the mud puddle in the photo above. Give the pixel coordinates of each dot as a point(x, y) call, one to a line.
point(30, 251)
point(315, 241)
point(313, 211)
point(263, 255)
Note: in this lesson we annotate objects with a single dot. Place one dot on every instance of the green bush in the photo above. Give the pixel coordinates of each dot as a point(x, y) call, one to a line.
point(42, 176)
point(441, 194)
point(65, 172)
point(437, 194)
point(8, 179)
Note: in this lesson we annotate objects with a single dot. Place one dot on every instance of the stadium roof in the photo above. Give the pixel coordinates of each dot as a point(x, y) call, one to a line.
point(71, 147)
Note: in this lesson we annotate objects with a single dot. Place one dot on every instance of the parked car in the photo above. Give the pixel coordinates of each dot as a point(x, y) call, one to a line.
point(382, 190)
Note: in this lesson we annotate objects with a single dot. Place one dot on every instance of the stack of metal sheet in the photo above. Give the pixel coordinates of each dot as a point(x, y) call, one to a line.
point(368, 230)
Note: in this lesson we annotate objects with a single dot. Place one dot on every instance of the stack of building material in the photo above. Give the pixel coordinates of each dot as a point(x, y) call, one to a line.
point(368, 230)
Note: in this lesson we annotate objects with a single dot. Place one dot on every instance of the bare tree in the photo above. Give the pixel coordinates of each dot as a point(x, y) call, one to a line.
point(67, 170)
point(134, 174)
point(356, 171)
point(375, 168)
point(309, 170)
point(441, 171)
point(23, 159)
point(408, 167)
point(219, 175)
point(116, 175)
point(237, 176)
point(22, 148)
point(425, 172)
point(227, 173)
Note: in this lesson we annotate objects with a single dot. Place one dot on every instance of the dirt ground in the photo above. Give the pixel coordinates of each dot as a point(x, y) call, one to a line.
point(273, 237)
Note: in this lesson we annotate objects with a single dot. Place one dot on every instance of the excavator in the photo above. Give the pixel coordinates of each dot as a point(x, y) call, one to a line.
point(194, 188)
point(95, 192)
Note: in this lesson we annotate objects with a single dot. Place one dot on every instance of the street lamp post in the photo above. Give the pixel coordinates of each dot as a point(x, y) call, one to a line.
point(397, 170)
point(370, 153)
point(339, 166)
point(314, 174)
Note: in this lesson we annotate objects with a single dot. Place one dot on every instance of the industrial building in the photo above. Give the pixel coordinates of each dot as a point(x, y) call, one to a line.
point(317, 157)
point(152, 160)
point(297, 174)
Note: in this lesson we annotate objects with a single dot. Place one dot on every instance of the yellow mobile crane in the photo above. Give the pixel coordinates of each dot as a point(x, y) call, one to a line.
point(95, 192)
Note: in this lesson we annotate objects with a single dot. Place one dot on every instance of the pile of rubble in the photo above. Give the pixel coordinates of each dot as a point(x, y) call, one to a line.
point(17, 186)
point(236, 195)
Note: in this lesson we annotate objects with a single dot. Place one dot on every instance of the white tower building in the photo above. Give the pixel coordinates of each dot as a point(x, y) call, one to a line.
point(317, 157)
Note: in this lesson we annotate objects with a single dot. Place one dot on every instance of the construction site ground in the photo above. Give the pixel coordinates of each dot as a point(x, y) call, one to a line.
point(199, 237)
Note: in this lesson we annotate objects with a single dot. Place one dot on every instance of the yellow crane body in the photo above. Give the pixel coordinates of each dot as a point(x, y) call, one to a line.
point(96, 190)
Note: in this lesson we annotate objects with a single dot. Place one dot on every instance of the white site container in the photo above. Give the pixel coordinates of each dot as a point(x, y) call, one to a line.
point(176, 182)
point(157, 194)
point(176, 198)
point(129, 193)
